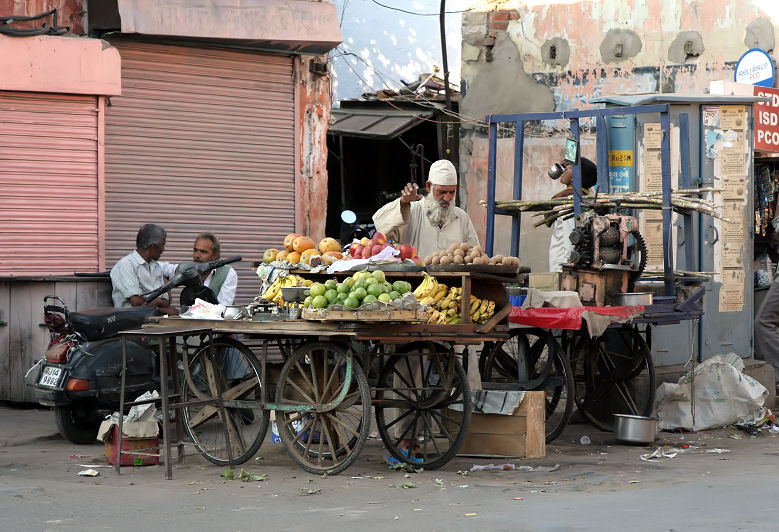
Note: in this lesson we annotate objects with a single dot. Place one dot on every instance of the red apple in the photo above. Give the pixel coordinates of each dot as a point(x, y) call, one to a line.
point(376, 249)
point(365, 241)
point(406, 251)
point(379, 238)
point(353, 248)
point(366, 252)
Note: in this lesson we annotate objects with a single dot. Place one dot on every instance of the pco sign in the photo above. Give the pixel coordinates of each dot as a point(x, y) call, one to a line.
point(755, 68)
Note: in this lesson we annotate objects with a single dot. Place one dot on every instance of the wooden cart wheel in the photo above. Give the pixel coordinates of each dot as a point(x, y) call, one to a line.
point(544, 367)
point(329, 434)
point(423, 404)
point(614, 374)
point(231, 366)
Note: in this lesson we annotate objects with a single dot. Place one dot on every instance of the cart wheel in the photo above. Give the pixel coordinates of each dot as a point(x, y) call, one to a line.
point(545, 367)
point(327, 436)
point(230, 365)
point(614, 374)
point(423, 404)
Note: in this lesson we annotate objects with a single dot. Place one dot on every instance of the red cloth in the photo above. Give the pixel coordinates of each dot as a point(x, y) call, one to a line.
point(567, 318)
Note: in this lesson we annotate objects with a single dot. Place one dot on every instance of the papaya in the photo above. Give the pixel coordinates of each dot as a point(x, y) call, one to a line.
point(303, 243)
point(330, 257)
point(289, 240)
point(329, 244)
point(293, 257)
point(269, 255)
point(307, 255)
point(282, 255)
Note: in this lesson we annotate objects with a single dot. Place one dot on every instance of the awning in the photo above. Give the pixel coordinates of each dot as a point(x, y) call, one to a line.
point(374, 124)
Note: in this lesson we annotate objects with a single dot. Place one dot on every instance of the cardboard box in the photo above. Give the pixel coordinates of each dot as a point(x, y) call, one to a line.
point(549, 282)
point(522, 434)
point(142, 436)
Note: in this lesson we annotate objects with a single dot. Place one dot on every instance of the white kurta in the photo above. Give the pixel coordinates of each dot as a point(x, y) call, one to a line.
point(410, 225)
point(560, 246)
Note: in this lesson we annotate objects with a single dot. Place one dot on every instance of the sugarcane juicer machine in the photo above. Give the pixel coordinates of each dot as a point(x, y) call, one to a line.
point(608, 257)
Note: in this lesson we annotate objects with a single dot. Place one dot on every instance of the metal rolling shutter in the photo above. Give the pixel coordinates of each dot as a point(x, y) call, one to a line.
point(201, 140)
point(49, 178)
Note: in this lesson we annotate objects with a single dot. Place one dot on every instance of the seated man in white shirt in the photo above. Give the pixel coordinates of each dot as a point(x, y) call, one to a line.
point(222, 281)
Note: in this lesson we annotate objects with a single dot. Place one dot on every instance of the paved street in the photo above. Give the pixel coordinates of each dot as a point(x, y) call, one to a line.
point(602, 486)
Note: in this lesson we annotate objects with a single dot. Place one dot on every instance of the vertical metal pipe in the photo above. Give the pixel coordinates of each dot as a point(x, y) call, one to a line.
point(516, 219)
point(447, 94)
point(602, 140)
point(577, 169)
point(668, 252)
point(493, 141)
point(684, 151)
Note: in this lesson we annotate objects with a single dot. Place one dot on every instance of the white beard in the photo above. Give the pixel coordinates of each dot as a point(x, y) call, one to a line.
point(434, 211)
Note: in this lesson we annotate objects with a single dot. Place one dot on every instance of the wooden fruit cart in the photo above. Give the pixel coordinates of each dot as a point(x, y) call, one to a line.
point(333, 372)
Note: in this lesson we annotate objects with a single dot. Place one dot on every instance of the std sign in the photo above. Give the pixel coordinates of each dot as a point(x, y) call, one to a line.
point(767, 120)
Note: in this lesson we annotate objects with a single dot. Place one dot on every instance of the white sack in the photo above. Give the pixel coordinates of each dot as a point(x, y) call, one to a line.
point(723, 394)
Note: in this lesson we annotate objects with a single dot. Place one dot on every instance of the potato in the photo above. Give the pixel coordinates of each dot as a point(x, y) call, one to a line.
point(478, 248)
point(428, 260)
point(446, 260)
point(458, 259)
point(459, 253)
point(468, 260)
point(465, 247)
point(435, 260)
point(497, 259)
point(453, 247)
point(436, 254)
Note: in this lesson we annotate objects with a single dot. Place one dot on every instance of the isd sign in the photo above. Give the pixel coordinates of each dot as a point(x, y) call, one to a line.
point(755, 68)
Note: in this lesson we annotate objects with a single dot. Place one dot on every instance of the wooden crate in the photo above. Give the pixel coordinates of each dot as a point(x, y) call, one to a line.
point(522, 434)
point(323, 314)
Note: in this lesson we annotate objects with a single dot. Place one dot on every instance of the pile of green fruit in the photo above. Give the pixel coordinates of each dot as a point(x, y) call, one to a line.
point(360, 289)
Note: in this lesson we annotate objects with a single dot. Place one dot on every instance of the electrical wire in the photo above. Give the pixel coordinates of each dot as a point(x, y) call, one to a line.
point(483, 4)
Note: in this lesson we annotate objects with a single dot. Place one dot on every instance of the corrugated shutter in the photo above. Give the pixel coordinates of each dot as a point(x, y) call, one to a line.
point(201, 140)
point(49, 179)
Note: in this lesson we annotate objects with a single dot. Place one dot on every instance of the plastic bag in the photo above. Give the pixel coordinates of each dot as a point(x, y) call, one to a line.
point(203, 310)
point(723, 394)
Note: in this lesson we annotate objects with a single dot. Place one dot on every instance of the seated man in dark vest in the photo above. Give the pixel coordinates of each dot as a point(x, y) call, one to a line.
point(222, 281)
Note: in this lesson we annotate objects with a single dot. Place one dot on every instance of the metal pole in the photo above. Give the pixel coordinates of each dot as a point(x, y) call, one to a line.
point(447, 94)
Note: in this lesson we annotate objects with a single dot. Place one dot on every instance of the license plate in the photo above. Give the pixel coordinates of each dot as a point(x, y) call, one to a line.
point(50, 377)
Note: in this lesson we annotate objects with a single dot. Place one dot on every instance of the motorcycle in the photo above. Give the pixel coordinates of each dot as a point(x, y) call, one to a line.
point(79, 375)
point(351, 230)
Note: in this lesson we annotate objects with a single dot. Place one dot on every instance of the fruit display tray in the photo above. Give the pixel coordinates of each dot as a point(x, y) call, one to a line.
point(323, 314)
point(499, 269)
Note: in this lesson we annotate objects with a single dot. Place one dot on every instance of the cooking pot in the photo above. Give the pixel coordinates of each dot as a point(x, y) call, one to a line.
point(632, 299)
point(635, 429)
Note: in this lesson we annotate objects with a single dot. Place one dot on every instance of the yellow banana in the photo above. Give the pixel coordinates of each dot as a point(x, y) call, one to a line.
point(475, 302)
point(433, 316)
point(475, 316)
point(426, 301)
point(439, 295)
point(484, 304)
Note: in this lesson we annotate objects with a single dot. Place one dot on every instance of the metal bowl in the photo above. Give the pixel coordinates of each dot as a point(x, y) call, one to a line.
point(294, 293)
point(632, 299)
point(635, 429)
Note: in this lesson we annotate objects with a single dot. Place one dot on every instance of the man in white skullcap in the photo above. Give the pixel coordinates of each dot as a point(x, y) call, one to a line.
point(432, 224)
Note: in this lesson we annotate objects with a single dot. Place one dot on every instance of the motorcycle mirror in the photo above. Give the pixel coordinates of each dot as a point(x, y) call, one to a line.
point(348, 217)
point(186, 270)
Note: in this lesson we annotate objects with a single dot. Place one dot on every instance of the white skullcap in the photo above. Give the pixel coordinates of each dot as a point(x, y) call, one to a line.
point(442, 173)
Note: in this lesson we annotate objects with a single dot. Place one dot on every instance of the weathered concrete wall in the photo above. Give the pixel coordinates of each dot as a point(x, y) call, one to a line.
point(541, 55)
point(69, 13)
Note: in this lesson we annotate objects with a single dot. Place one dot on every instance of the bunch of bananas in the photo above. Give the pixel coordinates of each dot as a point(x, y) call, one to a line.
point(445, 305)
point(481, 309)
point(428, 287)
point(274, 293)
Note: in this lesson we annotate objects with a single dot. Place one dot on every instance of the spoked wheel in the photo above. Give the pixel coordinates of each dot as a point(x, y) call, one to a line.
point(328, 435)
point(614, 375)
point(230, 366)
point(423, 404)
point(533, 359)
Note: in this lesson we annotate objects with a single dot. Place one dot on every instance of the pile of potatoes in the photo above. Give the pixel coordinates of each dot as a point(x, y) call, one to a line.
point(464, 254)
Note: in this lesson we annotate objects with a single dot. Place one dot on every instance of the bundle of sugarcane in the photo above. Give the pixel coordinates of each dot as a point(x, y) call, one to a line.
point(552, 209)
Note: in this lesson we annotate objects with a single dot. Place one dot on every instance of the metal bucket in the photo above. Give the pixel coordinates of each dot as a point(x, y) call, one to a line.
point(635, 429)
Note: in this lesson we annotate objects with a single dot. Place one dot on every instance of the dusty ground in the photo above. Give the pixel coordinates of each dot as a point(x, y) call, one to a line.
point(724, 481)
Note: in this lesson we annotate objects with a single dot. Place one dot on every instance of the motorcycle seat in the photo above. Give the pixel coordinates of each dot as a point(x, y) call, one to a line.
point(101, 323)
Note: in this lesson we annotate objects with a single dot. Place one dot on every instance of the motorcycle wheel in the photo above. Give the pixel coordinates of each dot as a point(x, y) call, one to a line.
point(77, 423)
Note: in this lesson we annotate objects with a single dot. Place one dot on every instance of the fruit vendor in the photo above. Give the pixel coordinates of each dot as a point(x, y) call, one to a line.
point(222, 281)
point(431, 222)
point(139, 272)
point(560, 246)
